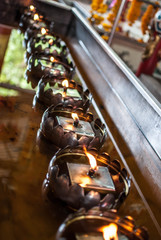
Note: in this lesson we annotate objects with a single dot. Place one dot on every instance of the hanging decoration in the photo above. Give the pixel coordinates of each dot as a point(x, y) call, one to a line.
point(111, 18)
point(134, 12)
point(112, 15)
point(98, 8)
point(146, 18)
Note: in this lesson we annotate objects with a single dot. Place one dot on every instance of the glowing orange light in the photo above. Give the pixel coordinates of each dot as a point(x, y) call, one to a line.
point(43, 31)
point(75, 116)
point(85, 181)
point(52, 59)
point(69, 127)
point(65, 83)
point(64, 94)
point(32, 8)
point(50, 41)
point(110, 232)
point(36, 17)
point(91, 158)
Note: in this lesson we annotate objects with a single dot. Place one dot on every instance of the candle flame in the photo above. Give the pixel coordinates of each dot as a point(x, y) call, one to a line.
point(92, 159)
point(43, 31)
point(36, 17)
point(52, 59)
point(32, 8)
point(75, 116)
point(50, 41)
point(65, 83)
point(110, 232)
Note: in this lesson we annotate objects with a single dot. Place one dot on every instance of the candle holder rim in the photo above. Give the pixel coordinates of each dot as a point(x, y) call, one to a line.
point(33, 57)
point(41, 57)
point(71, 219)
point(77, 86)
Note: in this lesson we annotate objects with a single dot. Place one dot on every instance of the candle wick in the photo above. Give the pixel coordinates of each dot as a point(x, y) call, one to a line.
point(91, 172)
point(65, 89)
point(76, 122)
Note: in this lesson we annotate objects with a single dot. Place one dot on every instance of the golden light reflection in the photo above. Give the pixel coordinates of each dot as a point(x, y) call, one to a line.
point(64, 94)
point(32, 8)
point(65, 83)
point(92, 160)
point(43, 31)
point(36, 17)
point(110, 232)
point(85, 181)
point(69, 127)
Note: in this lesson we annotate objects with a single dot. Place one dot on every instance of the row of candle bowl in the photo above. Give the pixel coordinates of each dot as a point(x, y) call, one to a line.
point(79, 175)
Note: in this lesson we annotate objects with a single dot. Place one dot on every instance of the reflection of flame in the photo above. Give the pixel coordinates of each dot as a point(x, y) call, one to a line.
point(85, 181)
point(50, 41)
point(32, 8)
point(64, 94)
point(43, 31)
point(75, 116)
point(52, 59)
point(36, 17)
point(65, 83)
point(110, 232)
point(69, 127)
point(91, 158)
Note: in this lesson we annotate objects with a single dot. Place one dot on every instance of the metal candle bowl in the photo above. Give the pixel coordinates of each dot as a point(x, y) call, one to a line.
point(58, 185)
point(87, 222)
point(53, 133)
point(31, 27)
point(45, 98)
point(41, 46)
point(27, 20)
point(33, 30)
point(35, 69)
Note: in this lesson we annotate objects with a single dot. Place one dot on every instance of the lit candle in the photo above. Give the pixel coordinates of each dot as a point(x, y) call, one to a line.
point(67, 90)
point(91, 177)
point(76, 119)
point(109, 232)
point(43, 31)
point(52, 59)
point(100, 225)
point(55, 66)
point(92, 162)
point(50, 42)
point(36, 17)
point(32, 8)
point(80, 127)
point(65, 84)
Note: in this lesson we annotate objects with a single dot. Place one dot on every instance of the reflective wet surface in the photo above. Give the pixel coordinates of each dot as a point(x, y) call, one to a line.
point(23, 213)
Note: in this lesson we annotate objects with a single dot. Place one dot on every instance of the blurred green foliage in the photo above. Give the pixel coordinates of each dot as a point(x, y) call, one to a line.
point(14, 66)
point(7, 92)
